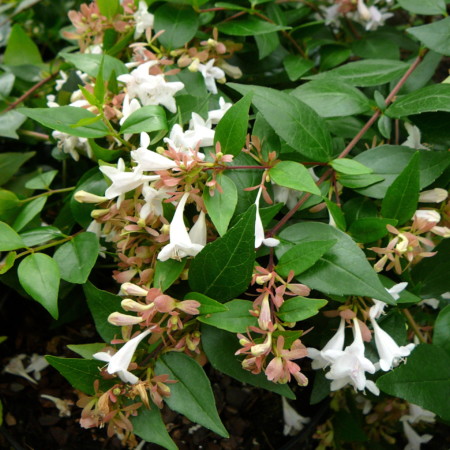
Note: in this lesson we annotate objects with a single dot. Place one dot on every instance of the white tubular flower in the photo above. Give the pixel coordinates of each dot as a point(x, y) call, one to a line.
point(259, 229)
point(414, 137)
point(15, 367)
point(349, 366)
point(37, 364)
point(378, 308)
point(215, 115)
point(414, 440)
point(72, 144)
point(180, 244)
point(285, 195)
point(198, 232)
point(335, 343)
point(200, 132)
point(211, 74)
point(128, 108)
point(436, 195)
point(293, 421)
point(122, 181)
point(418, 414)
point(153, 201)
point(143, 19)
point(119, 362)
point(427, 214)
point(388, 350)
point(184, 142)
point(148, 160)
point(363, 11)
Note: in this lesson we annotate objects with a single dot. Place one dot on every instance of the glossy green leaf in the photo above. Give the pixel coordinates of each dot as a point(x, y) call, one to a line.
point(441, 335)
point(267, 43)
point(221, 205)
point(207, 304)
point(220, 347)
point(77, 257)
point(223, 269)
point(359, 181)
point(300, 308)
point(9, 124)
point(332, 98)
point(236, 319)
point(426, 7)
point(11, 162)
point(231, 130)
point(148, 118)
point(249, 26)
point(302, 256)
point(400, 201)
point(342, 270)
point(102, 304)
point(427, 99)
point(389, 160)
point(39, 276)
point(41, 235)
point(336, 214)
point(370, 229)
point(150, 427)
point(350, 167)
point(293, 175)
point(29, 212)
point(87, 350)
point(63, 117)
point(41, 181)
point(296, 66)
point(167, 272)
point(6, 84)
point(108, 8)
point(7, 262)
point(424, 380)
point(295, 122)
point(80, 373)
point(9, 205)
point(180, 25)
point(192, 395)
point(21, 49)
point(435, 36)
point(9, 239)
point(368, 72)
point(90, 64)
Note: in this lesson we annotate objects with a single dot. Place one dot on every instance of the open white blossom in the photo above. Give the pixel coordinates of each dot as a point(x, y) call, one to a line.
point(143, 19)
point(413, 140)
point(181, 243)
point(378, 308)
point(211, 74)
point(119, 362)
point(418, 414)
point(200, 132)
point(72, 144)
point(37, 364)
point(15, 367)
point(153, 201)
point(414, 439)
point(293, 421)
point(216, 114)
point(148, 160)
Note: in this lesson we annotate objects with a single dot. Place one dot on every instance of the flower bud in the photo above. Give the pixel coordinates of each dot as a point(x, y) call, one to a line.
point(87, 197)
point(121, 320)
point(428, 215)
point(436, 195)
point(264, 348)
point(97, 213)
point(130, 305)
point(133, 289)
point(193, 67)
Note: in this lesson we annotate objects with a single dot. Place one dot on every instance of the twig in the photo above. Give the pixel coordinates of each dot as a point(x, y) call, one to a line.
point(414, 325)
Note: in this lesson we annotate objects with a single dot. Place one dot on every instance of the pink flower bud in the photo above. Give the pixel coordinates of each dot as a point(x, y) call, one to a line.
point(133, 289)
point(121, 320)
point(87, 197)
point(130, 305)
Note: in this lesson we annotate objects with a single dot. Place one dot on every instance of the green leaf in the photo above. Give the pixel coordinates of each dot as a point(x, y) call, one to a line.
point(250, 26)
point(102, 304)
point(11, 162)
point(236, 319)
point(90, 64)
point(350, 167)
point(39, 276)
point(149, 426)
point(424, 380)
point(220, 348)
point(207, 305)
point(63, 117)
point(167, 272)
point(87, 350)
point(41, 181)
point(9, 239)
point(221, 205)
point(425, 7)
point(435, 36)
point(41, 235)
point(389, 161)
point(9, 204)
point(368, 72)
point(7, 80)
point(302, 256)
point(10, 122)
point(293, 175)
point(192, 395)
point(266, 43)
point(108, 8)
point(441, 335)
point(231, 130)
point(300, 308)
point(298, 124)
point(400, 201)
point(332, 98)
point(105, 154)
point(296, 66)
point(180, 25)
point(427, 99)
point(77, 257)
point(336, 214)
point(80, 373)
point(370, 229)
point(7, 263)
point(21, 49)
point(148, 118)
point(342, 270)
point(224, 267)
point(359, 181)
point(29, 212)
